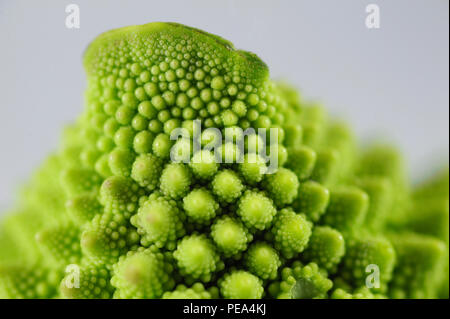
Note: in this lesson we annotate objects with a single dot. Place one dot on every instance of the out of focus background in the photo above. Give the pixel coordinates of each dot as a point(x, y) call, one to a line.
point(391, 83)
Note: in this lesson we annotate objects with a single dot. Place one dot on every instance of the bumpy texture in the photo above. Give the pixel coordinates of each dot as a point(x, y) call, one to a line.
point(129, 208)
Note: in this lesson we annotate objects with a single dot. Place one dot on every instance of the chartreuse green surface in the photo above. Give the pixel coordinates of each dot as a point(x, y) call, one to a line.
point(135, 222)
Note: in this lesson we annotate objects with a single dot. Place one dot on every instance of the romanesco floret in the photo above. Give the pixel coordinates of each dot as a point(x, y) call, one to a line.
point(291, 232)
point(230, 236)
point(89, 281)
point(159, 222)
point(240, 284)
point(256, 210)
point(200, 206)
point(262, 260)
point(128, 208)
point(301, 282)
point(326, 247)
point(197, 257)
point(143, 274)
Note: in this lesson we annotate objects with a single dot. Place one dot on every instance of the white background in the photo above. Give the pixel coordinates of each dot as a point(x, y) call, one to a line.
point(390, 83)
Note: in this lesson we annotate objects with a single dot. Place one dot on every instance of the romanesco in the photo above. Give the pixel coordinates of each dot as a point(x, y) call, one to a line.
point(128, 208)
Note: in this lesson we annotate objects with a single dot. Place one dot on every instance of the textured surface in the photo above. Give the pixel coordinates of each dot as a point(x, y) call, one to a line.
point(117, 200)
point(380, 80)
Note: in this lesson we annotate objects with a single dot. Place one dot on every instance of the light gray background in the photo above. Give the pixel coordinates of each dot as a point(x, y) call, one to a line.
point(391, 82)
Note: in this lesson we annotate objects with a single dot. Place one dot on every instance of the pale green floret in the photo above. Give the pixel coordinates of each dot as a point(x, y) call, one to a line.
point(143, 142)
point(200, 206)
point(230, 236)
point(203, 164)
point(239, 108)
point(293, 135)
point(379, 190)
point(107, 237)
point(159, 222)
point(77, 181)
point(256, 210)
point(282, 186)
point(144, 274)
point(120, 195)
point(27, 282)
point(253, 168)
point(175, 180)
point(123, 138)
point(347, 209)
point(120, 161)
point(326, 168)
point(227, 186)
point(89, 156)
point(162, 145)
point(83, 208)
point(61, 243)
point(241, 285)
point(146, 171)
point(312, 200)
point(93, 283)
point(102, 166)
point(421, 259)
point(262, 260)
point(218, 83)
point(197, 258)
point(326, 247)
point(363, 252)
point(301, 282)
point(302, 161)
point(291, 232)
point(229, 118)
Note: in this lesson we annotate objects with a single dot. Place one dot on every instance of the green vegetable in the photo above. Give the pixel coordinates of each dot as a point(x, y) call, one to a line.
point(127, 208)
point(230, 236)
point(262, 260)
point(142, 274)
point(240, 284)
